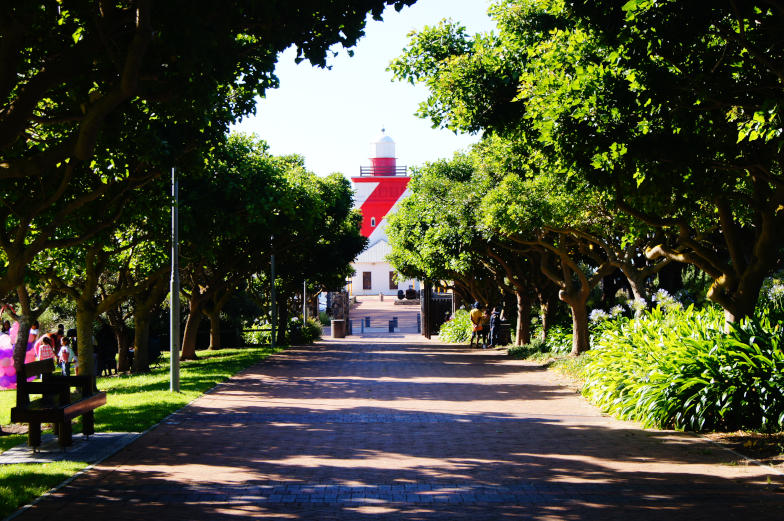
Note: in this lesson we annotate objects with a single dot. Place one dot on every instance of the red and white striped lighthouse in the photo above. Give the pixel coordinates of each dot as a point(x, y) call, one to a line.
point(379, 187)
point(377, 190)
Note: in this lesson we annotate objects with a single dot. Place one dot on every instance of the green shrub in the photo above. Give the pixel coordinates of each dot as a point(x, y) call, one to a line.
point(312, 330)
point(304, 334)
point(559, 340)
point(679, 369)
point(324, 318)
point(457, 330)
point(536, 346)
point(257, 337)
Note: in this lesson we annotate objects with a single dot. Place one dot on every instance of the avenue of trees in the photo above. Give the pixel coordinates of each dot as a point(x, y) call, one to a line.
point(99, 100)
point(619, 139)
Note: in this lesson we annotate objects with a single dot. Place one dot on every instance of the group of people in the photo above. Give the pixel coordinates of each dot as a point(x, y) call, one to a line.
point(485, 325)
point(54, 345)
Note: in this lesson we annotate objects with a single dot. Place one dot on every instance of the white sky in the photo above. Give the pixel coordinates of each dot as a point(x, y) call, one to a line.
point(331, 116)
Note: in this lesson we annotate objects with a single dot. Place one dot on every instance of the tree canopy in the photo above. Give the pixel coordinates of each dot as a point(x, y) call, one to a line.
point(609, 138)
point(99, 100)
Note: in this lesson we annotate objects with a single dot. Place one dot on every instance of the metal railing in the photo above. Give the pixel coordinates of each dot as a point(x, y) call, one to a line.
point(383, 171)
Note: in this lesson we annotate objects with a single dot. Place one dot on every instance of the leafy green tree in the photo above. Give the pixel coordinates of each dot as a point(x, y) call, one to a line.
point(144, 269)
point(433, 234)
point(317, 236)
point(436, 236)
point(681, 134)
point(228, 212)
point(70, 75)
point(675, 109)
point(78, 274)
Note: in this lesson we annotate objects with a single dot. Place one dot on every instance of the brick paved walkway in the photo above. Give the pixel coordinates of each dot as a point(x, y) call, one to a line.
point(407, 431)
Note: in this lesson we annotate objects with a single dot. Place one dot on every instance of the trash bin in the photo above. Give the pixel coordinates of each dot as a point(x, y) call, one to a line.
point(504, 337)
point(339, 328)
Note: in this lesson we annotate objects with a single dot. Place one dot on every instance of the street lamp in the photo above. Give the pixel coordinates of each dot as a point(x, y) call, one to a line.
point(174, 289)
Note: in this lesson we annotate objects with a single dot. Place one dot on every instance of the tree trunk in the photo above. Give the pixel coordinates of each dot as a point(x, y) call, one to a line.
point(738, 304)
point(146, 303)
point(20, 350)
point(141, 339)
point(122, 334)
point(581, 340)
point(192, 327)
point(636, 282)
point(283, 322)
point(671, 277)
point(548, 305)
point(215, 329)
point(523, 331)
point(84, 338)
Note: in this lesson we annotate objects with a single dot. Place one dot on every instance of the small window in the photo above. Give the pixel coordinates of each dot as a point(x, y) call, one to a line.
point(372, 222)
point(392, 281)
point(366, 281)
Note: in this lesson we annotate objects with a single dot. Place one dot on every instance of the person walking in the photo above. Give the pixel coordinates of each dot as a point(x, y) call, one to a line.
point(485, 327)
point(476, 324)
point(495, 325)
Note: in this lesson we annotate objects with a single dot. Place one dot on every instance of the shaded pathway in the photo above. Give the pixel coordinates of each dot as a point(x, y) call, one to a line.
point(389, 430)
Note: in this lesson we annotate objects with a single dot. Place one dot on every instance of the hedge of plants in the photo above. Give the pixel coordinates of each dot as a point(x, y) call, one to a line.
point(456, 330)
point(680, 368)
point(298, 332)
point(686, 369)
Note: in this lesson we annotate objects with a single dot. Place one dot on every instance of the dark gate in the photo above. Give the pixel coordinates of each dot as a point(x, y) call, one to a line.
point(436, 309)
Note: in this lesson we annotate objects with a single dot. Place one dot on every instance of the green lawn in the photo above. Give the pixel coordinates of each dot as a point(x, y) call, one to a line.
point(134, 403)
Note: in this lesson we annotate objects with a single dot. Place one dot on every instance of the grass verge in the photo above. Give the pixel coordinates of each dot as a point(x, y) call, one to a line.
point(134, 403)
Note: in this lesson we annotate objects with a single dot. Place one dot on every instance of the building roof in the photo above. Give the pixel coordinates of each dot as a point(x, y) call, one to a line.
point(377, 252)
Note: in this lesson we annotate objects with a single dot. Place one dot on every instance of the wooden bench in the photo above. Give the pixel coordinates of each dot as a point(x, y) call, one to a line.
point(56, 405)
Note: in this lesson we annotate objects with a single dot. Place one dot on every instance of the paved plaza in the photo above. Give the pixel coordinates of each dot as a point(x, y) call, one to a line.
point(405, 429)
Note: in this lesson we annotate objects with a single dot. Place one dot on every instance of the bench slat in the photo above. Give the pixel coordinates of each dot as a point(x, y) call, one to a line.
point(72, 381)
point(58, 414)
point(84, 405)
point(23, 415)
point(38, 367)
point(43, 388)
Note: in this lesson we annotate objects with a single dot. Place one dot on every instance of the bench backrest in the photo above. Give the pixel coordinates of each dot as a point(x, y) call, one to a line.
point(38, 367)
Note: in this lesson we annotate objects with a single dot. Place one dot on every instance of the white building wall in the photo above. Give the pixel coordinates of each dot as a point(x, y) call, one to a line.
point(379, 279)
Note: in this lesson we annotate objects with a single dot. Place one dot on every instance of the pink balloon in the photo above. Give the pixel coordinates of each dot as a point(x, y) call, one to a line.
point(30, 354)
point(14, 331)
point(7, 382)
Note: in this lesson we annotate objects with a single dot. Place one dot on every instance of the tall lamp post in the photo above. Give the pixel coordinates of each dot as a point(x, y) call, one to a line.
point(174, 289)
point(304, 302)
point(273, 325)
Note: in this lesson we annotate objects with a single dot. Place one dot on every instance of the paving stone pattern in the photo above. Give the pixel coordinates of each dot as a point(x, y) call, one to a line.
point(409, 430)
